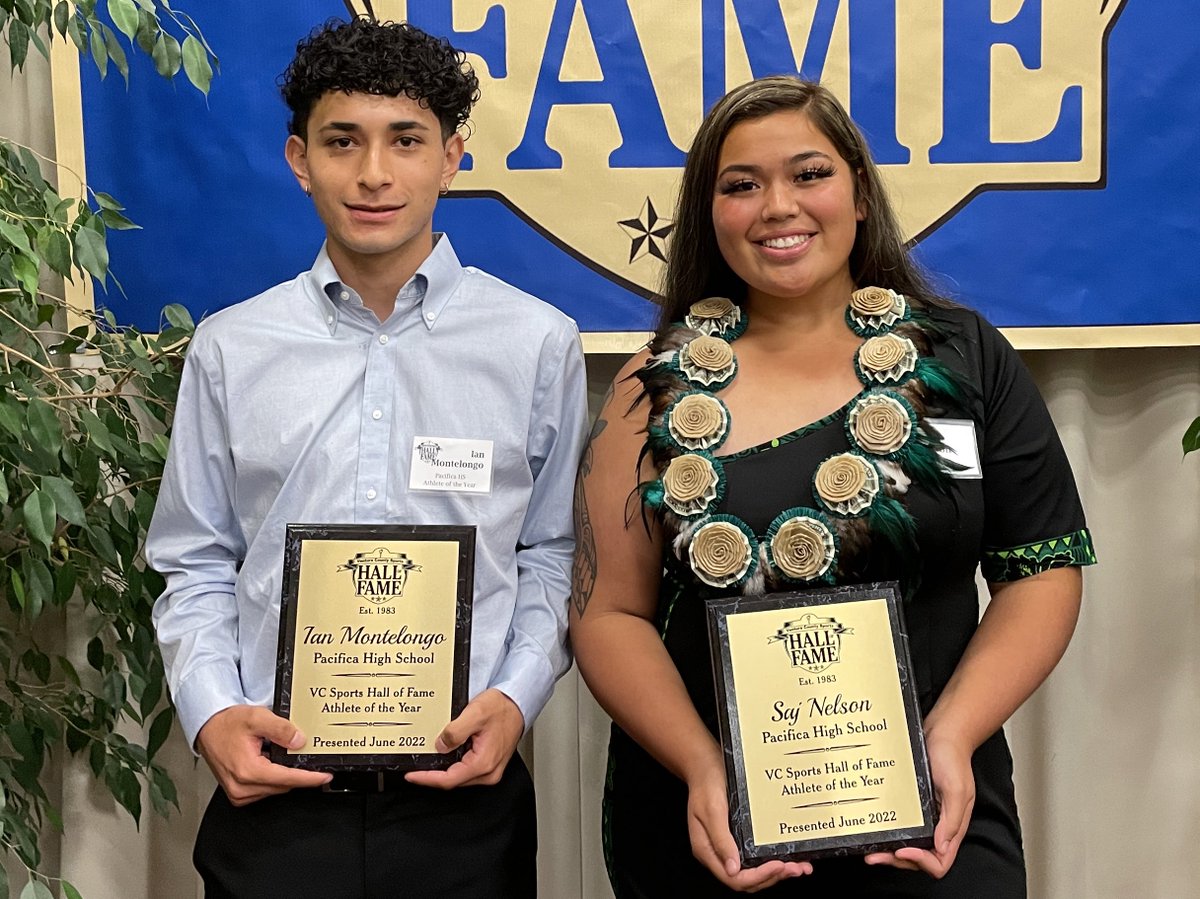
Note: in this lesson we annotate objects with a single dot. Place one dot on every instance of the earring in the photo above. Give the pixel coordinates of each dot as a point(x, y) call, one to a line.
point(308, 191)
point(445, 190)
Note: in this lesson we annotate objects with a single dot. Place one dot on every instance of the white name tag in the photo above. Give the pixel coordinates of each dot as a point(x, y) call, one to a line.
point(959, 436)
point(452, 464)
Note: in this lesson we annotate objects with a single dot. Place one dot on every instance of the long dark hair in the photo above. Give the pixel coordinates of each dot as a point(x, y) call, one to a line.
point(695, 267)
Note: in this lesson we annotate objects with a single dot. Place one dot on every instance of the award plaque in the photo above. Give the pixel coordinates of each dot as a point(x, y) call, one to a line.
point(374, 643)
point(821, 731)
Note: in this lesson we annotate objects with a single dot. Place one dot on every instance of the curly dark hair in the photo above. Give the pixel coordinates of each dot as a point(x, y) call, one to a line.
point(386, 58)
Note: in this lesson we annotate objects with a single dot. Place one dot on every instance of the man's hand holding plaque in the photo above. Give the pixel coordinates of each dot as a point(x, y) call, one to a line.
point(374, 644)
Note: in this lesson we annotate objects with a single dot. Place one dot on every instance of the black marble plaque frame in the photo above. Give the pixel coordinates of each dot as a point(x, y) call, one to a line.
point(727, 705)
point(464, 536)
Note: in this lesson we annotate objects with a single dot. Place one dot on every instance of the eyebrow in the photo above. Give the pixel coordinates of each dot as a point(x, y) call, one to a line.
point(754, 169)
point(393, 126)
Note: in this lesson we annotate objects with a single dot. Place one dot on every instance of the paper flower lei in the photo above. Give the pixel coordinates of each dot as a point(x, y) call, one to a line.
point(857, 490)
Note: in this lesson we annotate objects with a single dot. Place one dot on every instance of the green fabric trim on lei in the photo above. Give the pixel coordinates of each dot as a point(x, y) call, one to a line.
point(1019, 562)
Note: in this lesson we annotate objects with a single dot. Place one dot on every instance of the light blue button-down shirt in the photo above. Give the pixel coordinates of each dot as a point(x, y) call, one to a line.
point(300, 406)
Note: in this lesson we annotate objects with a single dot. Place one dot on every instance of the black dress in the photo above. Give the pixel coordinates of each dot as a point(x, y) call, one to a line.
point(1007, 521)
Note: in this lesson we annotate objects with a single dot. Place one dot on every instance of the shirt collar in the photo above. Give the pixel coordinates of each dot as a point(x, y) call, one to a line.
point(439, 276)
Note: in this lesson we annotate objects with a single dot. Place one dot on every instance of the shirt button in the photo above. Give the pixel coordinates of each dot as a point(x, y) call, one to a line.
point(377, 414)
point(345, 295)
point(430, 316)
point(329, 319)
point(371, 494)
point(383, 338)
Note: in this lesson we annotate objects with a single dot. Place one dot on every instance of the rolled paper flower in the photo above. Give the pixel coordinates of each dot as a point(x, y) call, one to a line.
point(720, 553)
point(879, 423)
point(715, 315)
point(846, 483)
point(888, 357)
point(698, 421)
point(878, 302)
point(873, 300)
point(803, 547)
point(690, 484)
point(707, 360)
point(713, 307)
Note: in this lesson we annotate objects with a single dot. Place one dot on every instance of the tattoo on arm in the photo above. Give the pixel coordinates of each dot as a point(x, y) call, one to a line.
point(583, 571)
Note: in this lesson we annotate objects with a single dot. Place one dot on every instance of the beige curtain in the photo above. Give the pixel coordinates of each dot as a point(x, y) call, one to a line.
point(1107, 770)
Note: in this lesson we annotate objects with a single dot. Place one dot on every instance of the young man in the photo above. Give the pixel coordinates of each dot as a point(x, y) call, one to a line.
point(301, 405)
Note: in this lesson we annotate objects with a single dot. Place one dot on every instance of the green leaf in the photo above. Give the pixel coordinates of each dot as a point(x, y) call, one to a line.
point(69, 891)
point(62, 13)
point(151, 695)
point(91, 252)
point(68, 670)
point(165, 784)
point(38, 510)
point(10, 419)
point(35, 889)
point(196, 65)
point(39, 590)
point(18, 42)
point(55, 250)
point(33, 168)
point(65, 500)
point(178, 316)
point(99, 51)
point(167, 55)
point(160, 729)
point(4, 885)
point(113, 688)
point(44, 426)
point(124, 14)
point(95, 653)
point(25, 268)
point(22, 742)
point(37, 41)
point(105, 201)
point(102, 543)
point(147, 31)
point(75, 33)
point(125, 789)
point(3, 485)
point(143, 507)
point(96, 431)
point(15, 235)
point(1191, 440)
point(96, 757)
point(18, 587)
point(116, 52)
point(118, 222)
point(64, 583)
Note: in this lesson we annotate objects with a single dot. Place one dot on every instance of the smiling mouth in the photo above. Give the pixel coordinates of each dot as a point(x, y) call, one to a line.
point(372, 210)
point(785, 243)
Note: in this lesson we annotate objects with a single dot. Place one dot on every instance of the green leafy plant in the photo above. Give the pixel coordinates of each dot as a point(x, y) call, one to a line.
point(85, 407)
point(1191, 437)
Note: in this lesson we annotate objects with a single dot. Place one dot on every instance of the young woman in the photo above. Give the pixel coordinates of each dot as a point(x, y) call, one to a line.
point(775, 435)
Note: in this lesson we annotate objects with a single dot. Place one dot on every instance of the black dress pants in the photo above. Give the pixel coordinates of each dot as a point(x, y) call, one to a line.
point(407, 842)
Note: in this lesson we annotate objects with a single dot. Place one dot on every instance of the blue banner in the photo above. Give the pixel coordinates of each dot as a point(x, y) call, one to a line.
point(1042, 163)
